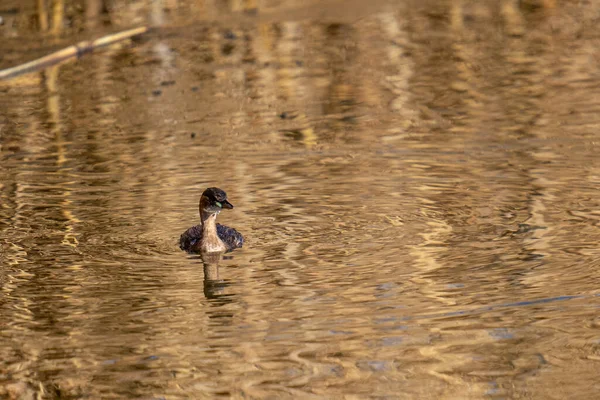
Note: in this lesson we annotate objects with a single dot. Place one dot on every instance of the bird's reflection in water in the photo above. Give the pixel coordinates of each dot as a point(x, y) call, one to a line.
point(214, 287)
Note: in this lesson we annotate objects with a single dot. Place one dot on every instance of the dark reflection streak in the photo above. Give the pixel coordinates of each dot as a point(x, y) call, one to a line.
point(341, 97)
point(467, 82)
point(292, 82)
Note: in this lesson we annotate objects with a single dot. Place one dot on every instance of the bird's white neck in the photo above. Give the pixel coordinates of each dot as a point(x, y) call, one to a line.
point(210, 239)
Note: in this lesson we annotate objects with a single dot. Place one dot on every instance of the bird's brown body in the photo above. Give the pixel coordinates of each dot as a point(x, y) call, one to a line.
point(210, 237)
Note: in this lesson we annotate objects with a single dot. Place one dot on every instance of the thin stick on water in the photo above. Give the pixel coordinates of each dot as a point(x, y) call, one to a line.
point(76, 50)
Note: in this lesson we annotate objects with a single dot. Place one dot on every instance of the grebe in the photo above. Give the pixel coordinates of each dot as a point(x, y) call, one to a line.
point(210, 237)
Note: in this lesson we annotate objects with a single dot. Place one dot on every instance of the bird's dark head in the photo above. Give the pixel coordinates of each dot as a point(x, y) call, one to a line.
point(213, 200)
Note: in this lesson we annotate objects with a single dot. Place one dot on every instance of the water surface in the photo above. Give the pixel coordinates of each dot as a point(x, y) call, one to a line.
point(417, 183)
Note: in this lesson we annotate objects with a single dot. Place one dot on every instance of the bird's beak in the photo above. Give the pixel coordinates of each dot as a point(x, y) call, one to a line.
point(226, 204)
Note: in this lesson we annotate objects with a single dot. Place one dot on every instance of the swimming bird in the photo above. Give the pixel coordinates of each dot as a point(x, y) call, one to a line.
point(210, 237)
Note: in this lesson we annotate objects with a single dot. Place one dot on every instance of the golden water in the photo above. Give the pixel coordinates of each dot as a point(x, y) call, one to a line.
point(417, 183)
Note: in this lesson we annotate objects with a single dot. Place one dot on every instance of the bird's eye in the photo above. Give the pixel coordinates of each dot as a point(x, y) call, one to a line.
point(218, 204)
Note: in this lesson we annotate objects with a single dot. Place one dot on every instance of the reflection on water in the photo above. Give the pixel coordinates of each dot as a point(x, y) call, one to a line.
point(417, 184)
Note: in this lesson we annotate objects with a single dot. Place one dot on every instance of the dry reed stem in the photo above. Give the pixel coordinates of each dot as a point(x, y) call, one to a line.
point(76, 50)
